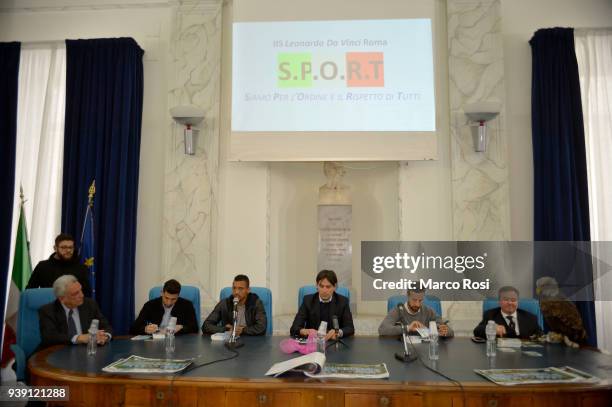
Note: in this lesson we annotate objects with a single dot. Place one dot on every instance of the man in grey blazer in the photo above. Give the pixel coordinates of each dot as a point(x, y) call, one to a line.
point(67, 319)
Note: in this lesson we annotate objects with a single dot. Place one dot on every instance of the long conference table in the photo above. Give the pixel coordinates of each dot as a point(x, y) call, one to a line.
point(241, 381)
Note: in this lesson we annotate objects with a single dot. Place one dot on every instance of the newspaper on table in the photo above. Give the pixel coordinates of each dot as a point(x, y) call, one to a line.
point(138, 364)
point(544, 375)
point(352, 371)
point(313, 365)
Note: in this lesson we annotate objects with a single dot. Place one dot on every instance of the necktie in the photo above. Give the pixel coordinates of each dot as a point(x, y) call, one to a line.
point(511, 325)
point(71, 325)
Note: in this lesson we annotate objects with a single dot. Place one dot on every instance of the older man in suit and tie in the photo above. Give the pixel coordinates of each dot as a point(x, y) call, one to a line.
point(67, 319)
point(511, 321)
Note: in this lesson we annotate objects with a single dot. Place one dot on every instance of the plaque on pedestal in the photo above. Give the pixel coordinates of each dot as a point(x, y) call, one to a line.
point(335, 249)
point(335, 224)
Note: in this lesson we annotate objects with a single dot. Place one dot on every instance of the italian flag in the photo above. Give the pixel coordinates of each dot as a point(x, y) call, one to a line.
point(22, 269)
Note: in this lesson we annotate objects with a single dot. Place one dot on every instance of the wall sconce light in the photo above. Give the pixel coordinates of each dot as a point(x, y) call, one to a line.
point(188, 115)
point(481, 112)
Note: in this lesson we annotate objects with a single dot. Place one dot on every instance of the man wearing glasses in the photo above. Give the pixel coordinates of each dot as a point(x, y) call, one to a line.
point(62, 262)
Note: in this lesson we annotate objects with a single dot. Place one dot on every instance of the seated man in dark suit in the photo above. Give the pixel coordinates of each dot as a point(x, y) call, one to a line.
point(511, 321)
point(155, 314)
point(67, 319)
point(251, 319)
point(323, 306)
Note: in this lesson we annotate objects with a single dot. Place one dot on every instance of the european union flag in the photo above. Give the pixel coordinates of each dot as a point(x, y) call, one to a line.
point(87, 241)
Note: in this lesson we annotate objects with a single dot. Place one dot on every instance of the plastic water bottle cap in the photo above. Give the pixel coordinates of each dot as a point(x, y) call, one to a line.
point(94, 325)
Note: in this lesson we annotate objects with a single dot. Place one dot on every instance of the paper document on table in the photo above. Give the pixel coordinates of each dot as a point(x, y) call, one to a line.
point(220, 336)
point(512, 377)
point(508, 343)
point(312, 363)
point(423, 332)
point(352, 371)
point(138, 364)
point(141, 337)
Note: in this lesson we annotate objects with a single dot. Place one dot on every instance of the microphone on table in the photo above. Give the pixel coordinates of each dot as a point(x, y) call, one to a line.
point(407, 356)
point(232, 342)
point(336, 325)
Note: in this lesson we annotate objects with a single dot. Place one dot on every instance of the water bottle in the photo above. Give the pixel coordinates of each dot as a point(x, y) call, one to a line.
point(321, 333)
point(92, 343)
point(169, 339)
point(491, 331)
point(433, 341)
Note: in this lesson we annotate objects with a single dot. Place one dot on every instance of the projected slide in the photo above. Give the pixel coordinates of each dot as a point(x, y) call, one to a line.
point(347, 75)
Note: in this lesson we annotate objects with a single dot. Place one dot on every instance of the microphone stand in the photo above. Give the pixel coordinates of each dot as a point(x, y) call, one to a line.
point(338, 340)
point(233, 343)
point(336, 326)
point(406, 356)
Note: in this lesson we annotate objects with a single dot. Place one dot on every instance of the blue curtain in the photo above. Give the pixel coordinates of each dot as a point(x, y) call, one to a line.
point(104, 90)
point(9, 79)
point(561, 204)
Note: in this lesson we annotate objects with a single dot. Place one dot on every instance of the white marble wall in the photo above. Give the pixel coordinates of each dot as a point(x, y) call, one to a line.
point(476, 72)
point(190, 192)
point(480, 198)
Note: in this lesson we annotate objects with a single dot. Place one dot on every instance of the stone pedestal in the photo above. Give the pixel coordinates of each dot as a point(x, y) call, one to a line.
point(335, 250)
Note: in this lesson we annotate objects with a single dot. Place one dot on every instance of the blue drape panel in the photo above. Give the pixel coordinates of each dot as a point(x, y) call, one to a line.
point(561, 204)
point(9, 80)
point(104, 90)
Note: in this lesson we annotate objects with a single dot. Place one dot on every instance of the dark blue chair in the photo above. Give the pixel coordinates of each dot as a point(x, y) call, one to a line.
point(188, 292)
point(28, 326)
point(526, 304)
point(311, 289)
point(264, 294)
point(429, 300)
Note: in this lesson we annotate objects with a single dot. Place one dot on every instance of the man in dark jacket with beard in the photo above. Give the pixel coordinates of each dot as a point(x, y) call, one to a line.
point(155, 314)
point(60, 263)
point(252, 319)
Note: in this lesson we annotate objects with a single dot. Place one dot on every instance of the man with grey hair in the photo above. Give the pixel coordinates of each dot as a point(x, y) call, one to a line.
point(510, 321)
point(415, 315)
point(67, 319)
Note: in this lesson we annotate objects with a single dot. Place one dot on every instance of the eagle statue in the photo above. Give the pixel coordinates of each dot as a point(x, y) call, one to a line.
point(560, 314)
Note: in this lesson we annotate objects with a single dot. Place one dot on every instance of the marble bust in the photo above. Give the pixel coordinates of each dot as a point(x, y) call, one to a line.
point(334, 192)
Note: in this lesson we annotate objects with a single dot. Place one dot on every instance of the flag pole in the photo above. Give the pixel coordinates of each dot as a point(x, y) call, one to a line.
point(90, 202)
point(25, 221)
point(89, 261)
point(92, 192)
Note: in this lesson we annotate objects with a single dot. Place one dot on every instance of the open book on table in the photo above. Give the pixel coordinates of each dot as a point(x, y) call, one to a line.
point(313, 365)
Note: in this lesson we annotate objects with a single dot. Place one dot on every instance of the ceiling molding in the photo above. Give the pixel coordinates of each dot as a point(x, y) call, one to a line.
point(20, 6)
